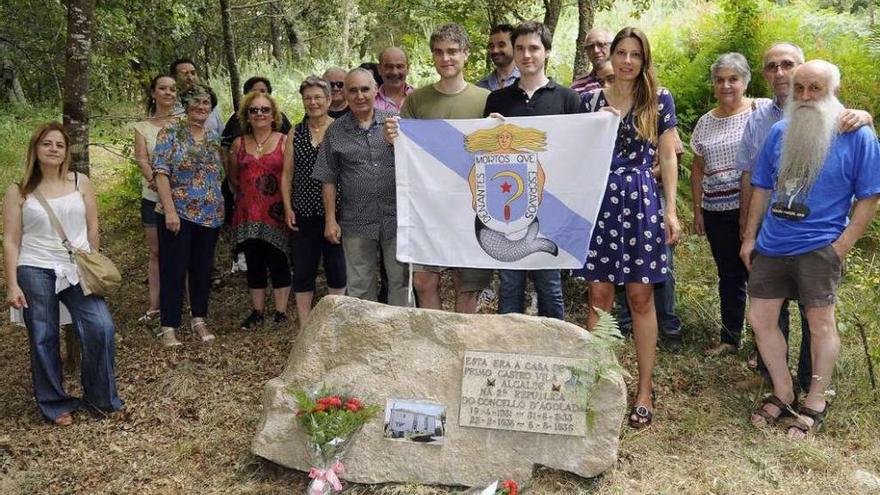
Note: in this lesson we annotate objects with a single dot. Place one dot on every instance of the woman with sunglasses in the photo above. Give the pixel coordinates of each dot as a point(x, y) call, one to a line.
point(255, 164)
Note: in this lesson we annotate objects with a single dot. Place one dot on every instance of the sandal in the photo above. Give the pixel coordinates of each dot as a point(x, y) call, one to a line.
point(200, 328)
point(641, 413)
point(65, 419)
point(785, 410)
point(168, 337)
point(148, 316)
point(817, 417)
point(721, 350)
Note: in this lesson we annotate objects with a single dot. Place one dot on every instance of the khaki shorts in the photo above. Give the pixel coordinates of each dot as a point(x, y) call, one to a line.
point(470, 279)
point(812, 278)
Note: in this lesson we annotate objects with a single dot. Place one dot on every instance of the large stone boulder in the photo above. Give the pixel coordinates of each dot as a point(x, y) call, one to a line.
point(381, 352)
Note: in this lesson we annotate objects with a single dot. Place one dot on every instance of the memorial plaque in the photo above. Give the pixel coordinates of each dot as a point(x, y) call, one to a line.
point(522, 392)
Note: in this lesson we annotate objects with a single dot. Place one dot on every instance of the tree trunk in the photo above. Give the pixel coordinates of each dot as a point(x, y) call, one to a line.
point(10, 87)
point(76, 80)
point(206, 55)
point(80, 14)
point(229, 48)
point(346, 30)
point(275, 33)
point(586, 14)
point(552, 9)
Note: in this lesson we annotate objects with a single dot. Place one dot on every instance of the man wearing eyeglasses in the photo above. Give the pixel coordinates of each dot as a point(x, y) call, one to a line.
point(355, 156)
point(598, 51)
point(449, 98)
point(338, 106)
point(393, 67)
point(778, 65)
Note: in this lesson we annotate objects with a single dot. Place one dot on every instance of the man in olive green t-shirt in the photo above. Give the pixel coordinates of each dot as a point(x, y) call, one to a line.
point(449, 98)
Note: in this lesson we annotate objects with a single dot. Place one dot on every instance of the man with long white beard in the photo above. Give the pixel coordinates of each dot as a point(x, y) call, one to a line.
point(778, 65)
point(805, 180)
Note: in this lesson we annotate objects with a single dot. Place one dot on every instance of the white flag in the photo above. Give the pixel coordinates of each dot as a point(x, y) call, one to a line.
point(522, 193)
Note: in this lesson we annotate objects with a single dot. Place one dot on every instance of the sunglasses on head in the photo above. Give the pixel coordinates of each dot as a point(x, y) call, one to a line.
point(259, 110)
point(337, 84)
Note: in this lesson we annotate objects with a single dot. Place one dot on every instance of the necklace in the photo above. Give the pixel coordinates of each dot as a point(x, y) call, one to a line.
point(259, 144)
point(316, 132)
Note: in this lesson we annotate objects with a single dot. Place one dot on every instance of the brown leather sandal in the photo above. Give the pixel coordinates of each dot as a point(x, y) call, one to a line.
point(785, 410)
point(818, 418)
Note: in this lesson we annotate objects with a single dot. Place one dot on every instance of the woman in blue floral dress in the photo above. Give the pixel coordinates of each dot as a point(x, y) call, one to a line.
point(187, 167)
point(627, 247)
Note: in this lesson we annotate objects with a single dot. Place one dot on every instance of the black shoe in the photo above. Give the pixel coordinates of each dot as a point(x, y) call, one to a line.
point(280, 317)
point(671, 342)
point(253, 320)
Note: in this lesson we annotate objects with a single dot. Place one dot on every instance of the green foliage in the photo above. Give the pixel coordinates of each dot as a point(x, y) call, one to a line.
point(16, 126)
point(749, 27)
point(857, 306)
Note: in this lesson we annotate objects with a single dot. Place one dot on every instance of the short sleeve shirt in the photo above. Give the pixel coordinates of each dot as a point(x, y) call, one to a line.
point(550, 99)
point(717, 141)
point(361, 163)
point(428, 103)
point(851, 171)
point(766, 113)
point(193, 169)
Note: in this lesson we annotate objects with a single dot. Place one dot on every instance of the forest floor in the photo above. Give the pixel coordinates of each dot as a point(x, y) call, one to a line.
point(191, 412)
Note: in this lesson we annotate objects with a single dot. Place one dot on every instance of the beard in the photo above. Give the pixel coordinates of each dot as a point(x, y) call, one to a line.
point(501, 59)
point(811, 129)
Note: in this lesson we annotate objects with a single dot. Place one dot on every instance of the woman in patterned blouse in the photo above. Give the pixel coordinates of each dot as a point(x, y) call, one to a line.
point(187, 167)
point(715, 186)
point(303, 209)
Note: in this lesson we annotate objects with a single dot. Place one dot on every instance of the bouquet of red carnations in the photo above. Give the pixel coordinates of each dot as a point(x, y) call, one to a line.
point(330, 420)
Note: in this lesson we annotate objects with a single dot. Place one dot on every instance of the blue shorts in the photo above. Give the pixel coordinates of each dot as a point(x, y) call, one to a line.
point(149, 217)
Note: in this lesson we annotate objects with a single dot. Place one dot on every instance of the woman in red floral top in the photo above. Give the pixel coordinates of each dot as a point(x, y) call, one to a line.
point(256, 161)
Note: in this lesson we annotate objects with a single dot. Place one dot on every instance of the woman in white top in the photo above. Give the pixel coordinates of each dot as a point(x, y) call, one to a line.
point(40, 273)
point(716, 191)
point(160, 109)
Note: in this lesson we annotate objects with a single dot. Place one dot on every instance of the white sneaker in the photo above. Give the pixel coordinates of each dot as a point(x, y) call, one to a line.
point(240, 264)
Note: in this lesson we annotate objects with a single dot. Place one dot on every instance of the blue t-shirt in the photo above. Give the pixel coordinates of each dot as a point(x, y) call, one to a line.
point(851, 170)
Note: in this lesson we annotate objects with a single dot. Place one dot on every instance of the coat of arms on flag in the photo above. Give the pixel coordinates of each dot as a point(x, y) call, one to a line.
point(507, 183)
point(522, 193)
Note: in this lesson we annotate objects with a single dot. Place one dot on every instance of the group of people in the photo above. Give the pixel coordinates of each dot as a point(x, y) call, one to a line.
point(773, 200)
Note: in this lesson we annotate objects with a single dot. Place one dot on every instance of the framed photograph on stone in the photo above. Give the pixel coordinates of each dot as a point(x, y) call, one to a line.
point(413, 420)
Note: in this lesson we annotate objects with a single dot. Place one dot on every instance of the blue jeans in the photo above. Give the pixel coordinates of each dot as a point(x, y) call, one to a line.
point(668, 322)
point(548, 284)
point(94, 328)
